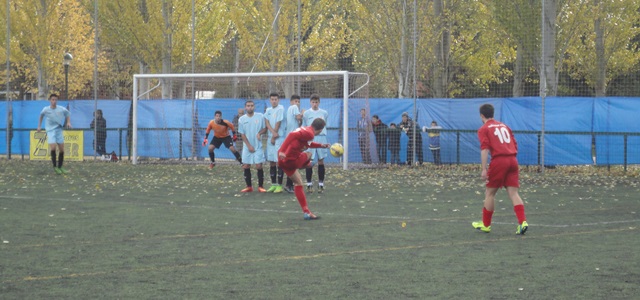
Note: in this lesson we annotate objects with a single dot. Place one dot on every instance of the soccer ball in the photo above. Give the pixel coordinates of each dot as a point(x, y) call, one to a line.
point(336, 150)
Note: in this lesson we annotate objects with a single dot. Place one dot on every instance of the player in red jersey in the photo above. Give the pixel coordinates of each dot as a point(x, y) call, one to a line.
point(291, 157)
point(497, 139)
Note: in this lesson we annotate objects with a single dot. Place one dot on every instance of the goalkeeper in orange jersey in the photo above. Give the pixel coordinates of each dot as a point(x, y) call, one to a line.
point(221, 136)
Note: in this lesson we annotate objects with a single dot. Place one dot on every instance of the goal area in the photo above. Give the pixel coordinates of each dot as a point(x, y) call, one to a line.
point(170, 112)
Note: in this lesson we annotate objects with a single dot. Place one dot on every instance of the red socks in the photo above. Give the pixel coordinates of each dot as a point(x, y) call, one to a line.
point(486, 217)
point(519, 210)
point(302, 199)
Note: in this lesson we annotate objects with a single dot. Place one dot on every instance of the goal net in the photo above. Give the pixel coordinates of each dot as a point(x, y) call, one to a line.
point(170, 112)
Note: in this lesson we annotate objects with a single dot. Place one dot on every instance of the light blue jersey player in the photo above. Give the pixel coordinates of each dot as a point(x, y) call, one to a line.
point(293, 120)
point(55, 119)
point(320, 153)
point(293, 117)
point(275, 123)
point(251, 127)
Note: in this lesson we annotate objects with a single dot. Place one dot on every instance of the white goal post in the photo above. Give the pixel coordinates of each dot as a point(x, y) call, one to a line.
point(168, 107)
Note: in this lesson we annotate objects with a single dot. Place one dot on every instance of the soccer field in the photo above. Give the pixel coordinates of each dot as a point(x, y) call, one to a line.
point(114, 230)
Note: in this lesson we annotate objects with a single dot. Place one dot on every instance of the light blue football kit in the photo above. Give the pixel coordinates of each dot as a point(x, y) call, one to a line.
point(249, 128)
point(307, 119)
point(275, 115)
point(291, 121)
point(54, 122)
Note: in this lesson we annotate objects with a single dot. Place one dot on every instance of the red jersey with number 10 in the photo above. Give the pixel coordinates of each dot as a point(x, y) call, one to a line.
point(297, 141)
point(498, 138)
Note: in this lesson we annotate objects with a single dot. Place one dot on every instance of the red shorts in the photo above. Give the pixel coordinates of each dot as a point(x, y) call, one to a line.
point(291, 165)
point(503, 171)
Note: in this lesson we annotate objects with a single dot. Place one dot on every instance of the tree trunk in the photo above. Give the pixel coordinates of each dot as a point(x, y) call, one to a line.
point(236, 64)
point(601, 63)
point(143, 84)
point(443, 45)
point(519, 72)
point(403, 84)
point(548, 51)
point(43, 87)
point(274, 40)
point(167, 13)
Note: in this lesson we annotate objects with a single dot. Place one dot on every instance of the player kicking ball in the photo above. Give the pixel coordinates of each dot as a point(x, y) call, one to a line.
point(292, 157)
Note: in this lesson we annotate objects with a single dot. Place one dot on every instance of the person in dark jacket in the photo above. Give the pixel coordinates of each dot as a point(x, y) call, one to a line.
point(99, 123)
point(380, 132)
point(393, 132)
point(235, 124)
point(410, 127)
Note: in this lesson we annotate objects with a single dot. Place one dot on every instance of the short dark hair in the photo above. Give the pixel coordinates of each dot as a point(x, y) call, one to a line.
point(318, 124)
point(53, 95)
point(376, 116)
point(274, 94)
point(314, 97)
point(487, 110)
point(217, 113)
point(247, 102)
point(295, 96)
point(392, 124)
point(434, 122)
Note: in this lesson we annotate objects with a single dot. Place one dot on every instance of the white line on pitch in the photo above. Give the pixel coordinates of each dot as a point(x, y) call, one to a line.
point(328, 213)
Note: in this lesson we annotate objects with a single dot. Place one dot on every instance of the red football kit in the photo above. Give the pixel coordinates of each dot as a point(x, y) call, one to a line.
point(499, 140)
point(293, 148)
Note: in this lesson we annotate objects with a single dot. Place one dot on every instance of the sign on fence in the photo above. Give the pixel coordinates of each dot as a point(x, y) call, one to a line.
point(73, 145)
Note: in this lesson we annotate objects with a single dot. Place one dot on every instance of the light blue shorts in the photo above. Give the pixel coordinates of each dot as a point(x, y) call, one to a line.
point(319, 153)
point(55, 136)
point(254, 158)
point(272, 150)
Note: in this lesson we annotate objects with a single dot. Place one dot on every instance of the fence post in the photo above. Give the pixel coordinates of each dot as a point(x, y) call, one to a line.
point(120, 143)
point(539, 149)
point(458, 147)
point(180, 144)
point(625, 153)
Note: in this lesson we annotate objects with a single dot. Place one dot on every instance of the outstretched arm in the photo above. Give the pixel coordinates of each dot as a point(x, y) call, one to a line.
point(40, 122)
point(318, 145)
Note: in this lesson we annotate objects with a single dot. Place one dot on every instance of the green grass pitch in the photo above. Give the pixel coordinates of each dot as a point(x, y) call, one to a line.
point(114, 230)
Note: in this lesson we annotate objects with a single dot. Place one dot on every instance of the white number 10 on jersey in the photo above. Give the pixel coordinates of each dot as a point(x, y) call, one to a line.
point(503, 134)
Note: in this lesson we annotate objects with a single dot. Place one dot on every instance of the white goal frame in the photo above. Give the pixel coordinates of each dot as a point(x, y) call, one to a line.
point(345, 94)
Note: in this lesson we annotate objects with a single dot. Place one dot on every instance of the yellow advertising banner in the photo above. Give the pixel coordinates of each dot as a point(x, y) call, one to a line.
point(73, 145)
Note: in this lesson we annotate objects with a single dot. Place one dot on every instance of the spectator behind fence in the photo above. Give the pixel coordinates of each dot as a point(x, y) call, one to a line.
point(410, 127)
point(434, 140)
point(99, 123)
point(364, 126)
point(380, 131)
point(393, 133)
point(238, 142)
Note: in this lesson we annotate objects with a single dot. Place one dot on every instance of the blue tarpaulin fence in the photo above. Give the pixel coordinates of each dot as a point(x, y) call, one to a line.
point(572, 124)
